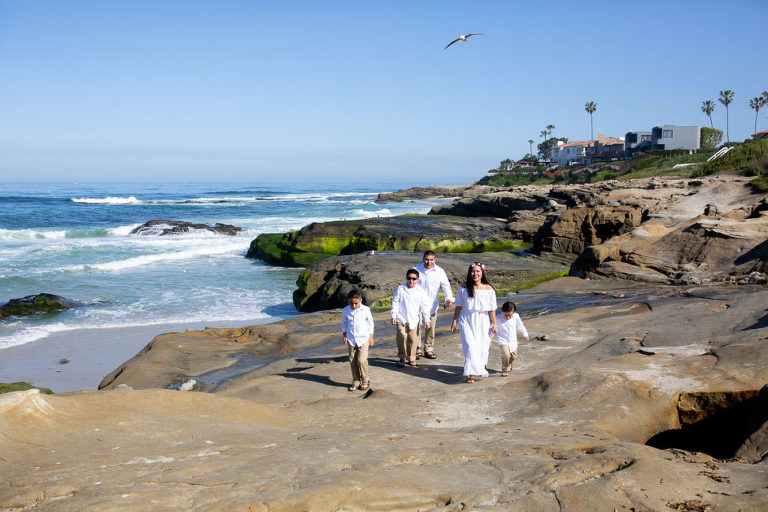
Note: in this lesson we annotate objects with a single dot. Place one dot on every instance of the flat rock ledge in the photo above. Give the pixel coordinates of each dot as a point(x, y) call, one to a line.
point(641, 397)
point(402, 233)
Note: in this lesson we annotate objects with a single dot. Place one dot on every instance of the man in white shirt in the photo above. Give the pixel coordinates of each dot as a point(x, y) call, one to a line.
point(409, 304)
point(433, 279)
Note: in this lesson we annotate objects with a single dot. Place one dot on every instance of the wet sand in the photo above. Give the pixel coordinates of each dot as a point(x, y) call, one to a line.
point(92, 354)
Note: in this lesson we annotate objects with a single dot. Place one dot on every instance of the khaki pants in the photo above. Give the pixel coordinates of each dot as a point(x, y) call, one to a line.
point(358, 361)
point(407, 341)
point(429, 334)
point(506, 358)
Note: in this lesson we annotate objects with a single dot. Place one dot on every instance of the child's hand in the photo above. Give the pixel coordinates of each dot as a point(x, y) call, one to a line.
point(346, 341)
point(370, 341)
point(453, 326)
point(494, 329)
point(394, 322)
point(427, 325)
point(527, 339)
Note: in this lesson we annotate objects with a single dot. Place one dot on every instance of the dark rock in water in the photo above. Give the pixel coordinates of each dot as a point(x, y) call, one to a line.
point(36, 304)
point(402, 233)
point(178, 227)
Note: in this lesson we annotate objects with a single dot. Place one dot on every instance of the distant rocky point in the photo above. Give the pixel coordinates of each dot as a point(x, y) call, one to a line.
point(178, 227)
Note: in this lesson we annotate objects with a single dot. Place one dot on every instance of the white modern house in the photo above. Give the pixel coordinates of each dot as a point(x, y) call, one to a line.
point(567, 153)
point(668, 136)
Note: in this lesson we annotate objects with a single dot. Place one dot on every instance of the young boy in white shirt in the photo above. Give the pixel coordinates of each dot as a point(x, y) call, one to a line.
point(357, 330)
point(509, 323)
point(409, 302)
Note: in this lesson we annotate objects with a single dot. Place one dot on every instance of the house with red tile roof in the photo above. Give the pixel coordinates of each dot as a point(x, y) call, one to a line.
point(760, 135)
point(567, 153)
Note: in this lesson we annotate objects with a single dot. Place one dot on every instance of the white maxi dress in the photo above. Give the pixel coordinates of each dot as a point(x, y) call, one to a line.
point(475, 325)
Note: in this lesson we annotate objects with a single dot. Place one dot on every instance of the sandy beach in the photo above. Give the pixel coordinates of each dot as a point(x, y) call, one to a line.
point(91, 355)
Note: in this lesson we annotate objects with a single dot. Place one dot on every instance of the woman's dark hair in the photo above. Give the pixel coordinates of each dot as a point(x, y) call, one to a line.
point(470, 285)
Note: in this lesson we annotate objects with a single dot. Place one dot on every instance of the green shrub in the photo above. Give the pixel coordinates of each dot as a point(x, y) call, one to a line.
point(738, 159)
point(710, 138)
point(760, 183)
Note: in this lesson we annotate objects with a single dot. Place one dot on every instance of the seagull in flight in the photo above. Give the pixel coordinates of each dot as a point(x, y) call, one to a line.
point(461, 38)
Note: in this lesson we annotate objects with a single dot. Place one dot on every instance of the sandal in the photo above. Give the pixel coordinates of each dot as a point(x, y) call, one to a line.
point(504, 374)
point(364, 386)
point(418, 353)
point(401, 363)
point(470, 380)
point(430, 355)
point(354, 387)
point(412, 364)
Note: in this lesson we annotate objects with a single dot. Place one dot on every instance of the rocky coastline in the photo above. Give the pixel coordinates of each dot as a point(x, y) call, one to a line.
point(644, 386)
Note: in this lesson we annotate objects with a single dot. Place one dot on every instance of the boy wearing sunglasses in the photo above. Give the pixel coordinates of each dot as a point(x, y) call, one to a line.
point(408, 304)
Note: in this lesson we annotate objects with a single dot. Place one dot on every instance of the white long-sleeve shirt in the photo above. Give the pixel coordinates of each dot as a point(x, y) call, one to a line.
point(408, 303)
point(507, 334)
point(357, 324)
point(433, 280)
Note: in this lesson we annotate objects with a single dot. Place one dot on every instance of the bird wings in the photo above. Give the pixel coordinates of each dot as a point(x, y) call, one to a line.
point(461, 38)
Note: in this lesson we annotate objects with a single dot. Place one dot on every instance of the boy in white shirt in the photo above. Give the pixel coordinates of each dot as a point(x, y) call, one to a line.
point(357, 329)
point(408, 304)
point(509, 323)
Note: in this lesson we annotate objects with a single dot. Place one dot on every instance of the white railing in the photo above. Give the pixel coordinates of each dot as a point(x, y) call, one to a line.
point(720, 153)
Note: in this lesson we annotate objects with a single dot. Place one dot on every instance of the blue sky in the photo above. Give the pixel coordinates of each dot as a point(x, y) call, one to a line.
point(286, 91)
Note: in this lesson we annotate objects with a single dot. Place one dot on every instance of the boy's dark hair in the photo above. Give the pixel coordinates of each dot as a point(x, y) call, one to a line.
point(412, 271)
point(354, 293)
point(508, 306)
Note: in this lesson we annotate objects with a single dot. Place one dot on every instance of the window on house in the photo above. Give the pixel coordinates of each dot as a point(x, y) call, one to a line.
point(666, 134)
point(645, 138)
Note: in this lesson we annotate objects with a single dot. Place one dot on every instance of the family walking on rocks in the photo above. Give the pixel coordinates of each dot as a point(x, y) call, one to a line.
point(418, 299)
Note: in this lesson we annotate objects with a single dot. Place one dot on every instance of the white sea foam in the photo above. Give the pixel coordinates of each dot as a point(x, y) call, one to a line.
point(151, 259)
point(106, 200)
point(34, 333)
point(29, 234)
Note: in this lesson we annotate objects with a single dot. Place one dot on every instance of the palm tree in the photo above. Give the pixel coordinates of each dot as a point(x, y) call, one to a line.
point(550, 127)
point(590, 107)
point(708, 107)
point(726, 98)
point(543, 134)
point(756, 104)
point(530, 146)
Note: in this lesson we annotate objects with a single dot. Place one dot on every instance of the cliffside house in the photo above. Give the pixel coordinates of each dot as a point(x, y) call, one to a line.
point(668, 136)
point(760, 135)
point(604, 149)
point(568, 153)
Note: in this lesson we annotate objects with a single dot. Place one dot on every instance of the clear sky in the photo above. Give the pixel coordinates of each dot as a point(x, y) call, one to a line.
point(291, 90)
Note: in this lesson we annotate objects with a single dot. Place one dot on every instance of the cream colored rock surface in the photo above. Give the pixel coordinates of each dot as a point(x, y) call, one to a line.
point(566, 431)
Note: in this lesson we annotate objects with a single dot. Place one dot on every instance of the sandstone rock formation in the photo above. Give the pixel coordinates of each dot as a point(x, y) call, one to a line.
point(566, 431)
point(688, 242)
point(179, 227)
point(402, 233)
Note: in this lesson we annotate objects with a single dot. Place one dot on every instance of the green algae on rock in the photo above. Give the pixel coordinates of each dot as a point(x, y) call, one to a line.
point(21, 386)
point(440, 233)
point(325, 284)
point(36, 304)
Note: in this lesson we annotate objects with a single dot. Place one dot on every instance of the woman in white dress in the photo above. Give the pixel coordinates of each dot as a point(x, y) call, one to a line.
point(475, 316)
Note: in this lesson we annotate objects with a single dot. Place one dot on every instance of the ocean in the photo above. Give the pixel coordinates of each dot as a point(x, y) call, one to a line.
point(73, 240)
